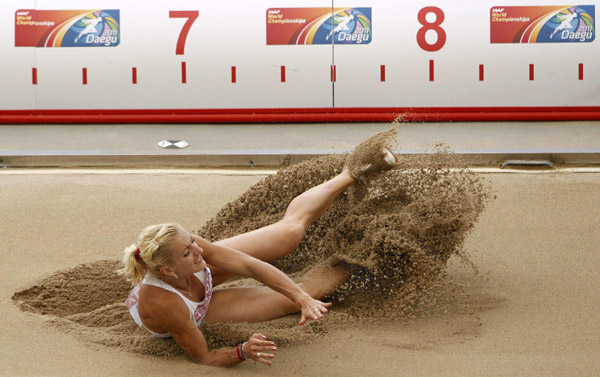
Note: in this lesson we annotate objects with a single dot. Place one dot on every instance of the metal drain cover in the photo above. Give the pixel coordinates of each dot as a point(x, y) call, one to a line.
point(173, 144)
point(527, 163)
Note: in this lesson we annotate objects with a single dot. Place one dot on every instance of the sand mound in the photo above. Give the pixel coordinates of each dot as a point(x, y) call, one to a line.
point(396, 233)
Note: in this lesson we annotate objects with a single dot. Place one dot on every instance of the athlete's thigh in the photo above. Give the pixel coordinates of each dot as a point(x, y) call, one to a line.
point(269, 242)
point(248, 304)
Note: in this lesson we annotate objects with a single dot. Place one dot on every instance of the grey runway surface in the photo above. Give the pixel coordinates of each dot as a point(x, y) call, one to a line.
point(535, 303)
point(136, 145)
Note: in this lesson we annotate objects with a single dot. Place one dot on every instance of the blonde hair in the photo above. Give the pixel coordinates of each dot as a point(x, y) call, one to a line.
point(154, 253)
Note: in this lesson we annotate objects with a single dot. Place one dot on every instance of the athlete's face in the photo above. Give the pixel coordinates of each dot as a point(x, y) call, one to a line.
point(186, 254)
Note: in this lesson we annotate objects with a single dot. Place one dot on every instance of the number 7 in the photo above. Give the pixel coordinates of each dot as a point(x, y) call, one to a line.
point(191, 15)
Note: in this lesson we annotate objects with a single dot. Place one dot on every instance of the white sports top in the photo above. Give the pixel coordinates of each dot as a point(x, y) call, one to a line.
point(197, 309)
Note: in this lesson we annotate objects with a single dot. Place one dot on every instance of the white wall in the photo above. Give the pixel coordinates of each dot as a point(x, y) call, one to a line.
point(233, 33)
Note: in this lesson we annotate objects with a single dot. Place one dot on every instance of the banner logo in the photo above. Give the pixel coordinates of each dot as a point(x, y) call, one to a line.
point(542, 24)
point(67, 28)
point(317, 26)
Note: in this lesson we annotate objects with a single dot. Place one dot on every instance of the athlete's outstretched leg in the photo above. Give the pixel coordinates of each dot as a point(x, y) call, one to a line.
point(279, 239)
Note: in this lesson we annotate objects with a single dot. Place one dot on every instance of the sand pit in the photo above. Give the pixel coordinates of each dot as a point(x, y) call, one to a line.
point(396, 232)
point(534, 299)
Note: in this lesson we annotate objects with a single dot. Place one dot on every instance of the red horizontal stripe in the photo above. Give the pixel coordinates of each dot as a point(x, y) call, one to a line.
point(432, 114)
point(318, 110)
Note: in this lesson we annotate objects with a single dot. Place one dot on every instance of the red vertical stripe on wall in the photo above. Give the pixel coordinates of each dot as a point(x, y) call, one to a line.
point(333, 73)
point(580, 71)
point(481, 77)
point(34, 76)
point(382, 73)
point(233, 75)
point(531, 72)
point(134, 75)
point(283, 73)
point(183, 73)
point(84, 73)
point(431, 70)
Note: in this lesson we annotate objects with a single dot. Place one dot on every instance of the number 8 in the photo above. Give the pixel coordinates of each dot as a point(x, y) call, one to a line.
point(435, 26)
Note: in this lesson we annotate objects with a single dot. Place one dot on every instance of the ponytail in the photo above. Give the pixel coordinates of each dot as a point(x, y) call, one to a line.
point(133, 269)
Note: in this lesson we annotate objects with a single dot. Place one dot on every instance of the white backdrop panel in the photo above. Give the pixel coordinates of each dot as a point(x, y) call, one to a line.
point(233, 33)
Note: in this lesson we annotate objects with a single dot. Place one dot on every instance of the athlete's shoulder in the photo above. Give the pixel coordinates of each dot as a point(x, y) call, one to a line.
point(161, 306)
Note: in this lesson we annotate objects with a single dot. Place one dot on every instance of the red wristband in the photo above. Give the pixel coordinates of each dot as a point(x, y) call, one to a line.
point(239, 354)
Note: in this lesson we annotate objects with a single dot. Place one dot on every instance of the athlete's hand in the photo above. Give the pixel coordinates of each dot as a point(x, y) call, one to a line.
point(260, 349)
point(313, 309)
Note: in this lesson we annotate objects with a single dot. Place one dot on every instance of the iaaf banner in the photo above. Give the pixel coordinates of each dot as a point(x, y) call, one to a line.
point(317, 26)
point(542, 24)
point(67, 28)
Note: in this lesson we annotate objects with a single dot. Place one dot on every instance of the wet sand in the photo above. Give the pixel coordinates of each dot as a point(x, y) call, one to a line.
point(533, 307)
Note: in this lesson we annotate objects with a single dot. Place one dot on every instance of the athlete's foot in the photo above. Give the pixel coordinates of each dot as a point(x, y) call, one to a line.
point(387, 160)
point(372, 156)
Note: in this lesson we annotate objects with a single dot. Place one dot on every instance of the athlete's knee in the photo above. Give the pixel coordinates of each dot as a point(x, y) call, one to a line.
point(294, 232)
point(315, 289)
point(324, 280)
